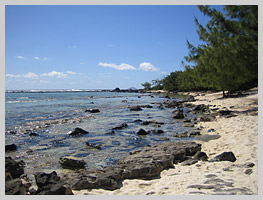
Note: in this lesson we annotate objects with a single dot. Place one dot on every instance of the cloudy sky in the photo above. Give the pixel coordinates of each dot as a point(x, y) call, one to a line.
point(95, 47)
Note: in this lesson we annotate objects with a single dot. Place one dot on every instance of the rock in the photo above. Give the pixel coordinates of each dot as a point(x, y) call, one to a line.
point(211, 130)
point(201, 108)
point(92, 110)
point(172, 104)
point(155, 131)
point(189, 162)
point(207, 118)
point(10, 147)
point(200, 156)
point(15, 169)
point(72, 162)
point(248, 171)
point(93, 146)
point(33, 134)
point(142, 132)
point(77, 131)
point(179, 114)
point(225, 156)
point(51, 184)
point(135, 108)
point(14, 187)
point(123, 125)
point(144, 164)
point(116, 90)
point(138, 121)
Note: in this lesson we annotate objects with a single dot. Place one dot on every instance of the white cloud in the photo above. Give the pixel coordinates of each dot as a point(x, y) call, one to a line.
point(28, 75)
point(20, 57)
point(44, 59)
point(81, 63)
point(163, 72)
point(71, 72)
point(145, 66)
point(55, 74)
point(122, 66)
point(36, 58)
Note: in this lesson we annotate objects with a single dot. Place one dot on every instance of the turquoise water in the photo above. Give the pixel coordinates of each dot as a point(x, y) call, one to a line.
point(26, 111)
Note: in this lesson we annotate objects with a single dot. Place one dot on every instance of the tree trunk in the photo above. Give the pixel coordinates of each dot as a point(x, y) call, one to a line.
point(224, 95)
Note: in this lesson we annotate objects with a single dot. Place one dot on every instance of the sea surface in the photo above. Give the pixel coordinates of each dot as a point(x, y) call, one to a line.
point(38, 123)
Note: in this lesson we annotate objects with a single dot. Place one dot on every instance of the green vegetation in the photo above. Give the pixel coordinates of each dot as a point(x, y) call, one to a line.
point(226, 59)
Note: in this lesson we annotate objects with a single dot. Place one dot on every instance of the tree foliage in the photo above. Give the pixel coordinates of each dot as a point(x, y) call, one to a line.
point(227, 58)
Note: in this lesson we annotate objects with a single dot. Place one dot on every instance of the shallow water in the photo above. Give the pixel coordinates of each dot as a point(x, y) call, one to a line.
point(42, 152)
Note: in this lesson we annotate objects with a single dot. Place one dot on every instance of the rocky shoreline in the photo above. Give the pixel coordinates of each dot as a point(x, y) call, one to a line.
point(147, 163)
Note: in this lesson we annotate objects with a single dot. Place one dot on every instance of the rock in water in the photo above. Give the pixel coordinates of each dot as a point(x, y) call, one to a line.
point(123, 125)
point(77, 131)
point(14, 187)
point(135, 108)
point(92, 110)
point(179, 114)
point(142, 132)
point(10, 147)
point(72, 162)
point(225, 156)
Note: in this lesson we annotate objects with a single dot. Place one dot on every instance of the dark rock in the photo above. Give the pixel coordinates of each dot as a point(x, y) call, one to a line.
point(201, 108)
point(187, 120)
point(72, 162)
point(155, 131)
point(144, 164)
point(51, 184)
point(124, 101)
point(93, 146)
point(135, 108)
point(123, 125)
point(92, 110)
point(116, 90)
point(14, 187)
point(211, 130)
point(145, 123)
point(200, 156)
point(33, 134)
point(77, 131)
point(13, 132)
point(173, 104)
point(179, 114)
point(15, 169)
point(248, 171)
point(142, 132)
point(112, 132)
point(207, 118)
point(138, 120)
point(10, 147)
point(225, 156)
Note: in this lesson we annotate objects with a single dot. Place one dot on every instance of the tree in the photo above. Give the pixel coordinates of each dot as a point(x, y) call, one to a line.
point(228, 56)
point(146, 85)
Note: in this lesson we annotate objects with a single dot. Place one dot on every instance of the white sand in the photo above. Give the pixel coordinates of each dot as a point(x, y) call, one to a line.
point(237, 134)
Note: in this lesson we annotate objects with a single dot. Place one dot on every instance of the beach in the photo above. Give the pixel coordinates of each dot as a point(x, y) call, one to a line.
point(238, 134)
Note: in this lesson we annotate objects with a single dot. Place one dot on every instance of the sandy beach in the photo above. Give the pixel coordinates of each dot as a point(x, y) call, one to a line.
point(238, 134)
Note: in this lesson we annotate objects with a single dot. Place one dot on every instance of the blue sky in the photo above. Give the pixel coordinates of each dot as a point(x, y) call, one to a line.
point(95, 47)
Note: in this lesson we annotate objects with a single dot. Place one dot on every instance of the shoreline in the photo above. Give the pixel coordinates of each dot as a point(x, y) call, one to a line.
point(237, 134)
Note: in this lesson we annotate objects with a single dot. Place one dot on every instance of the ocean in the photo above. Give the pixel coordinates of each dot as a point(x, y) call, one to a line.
point(38, 123)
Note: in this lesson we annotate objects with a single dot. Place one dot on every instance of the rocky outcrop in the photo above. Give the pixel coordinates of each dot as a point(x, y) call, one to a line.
point(142, 132)
point(145, 164)
point(51, 184)
point(72, 162)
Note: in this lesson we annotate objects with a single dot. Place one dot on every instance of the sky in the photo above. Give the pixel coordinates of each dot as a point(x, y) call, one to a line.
point(95, 47)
